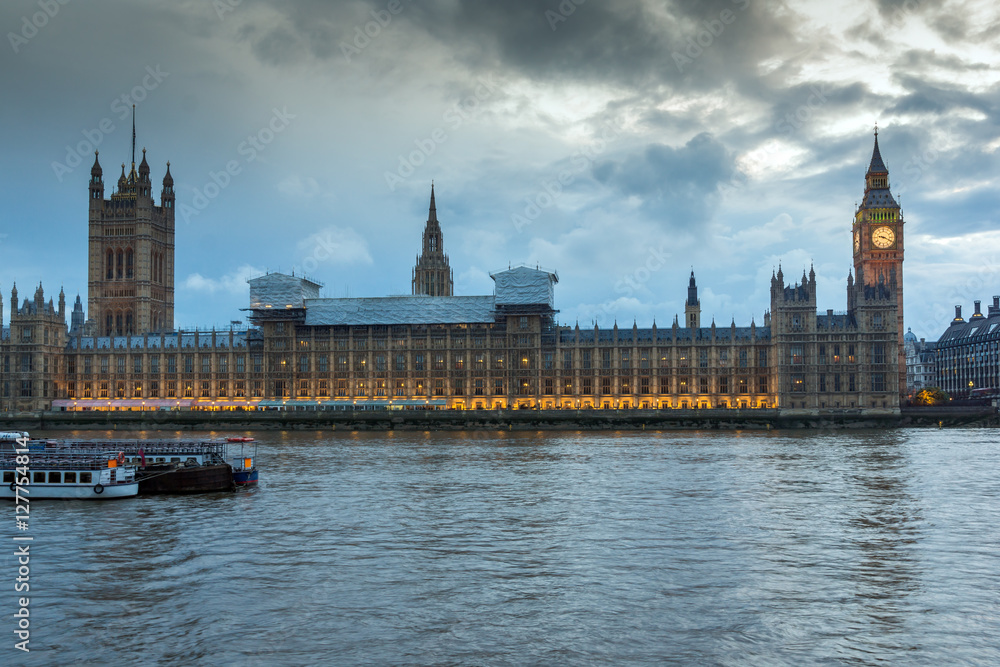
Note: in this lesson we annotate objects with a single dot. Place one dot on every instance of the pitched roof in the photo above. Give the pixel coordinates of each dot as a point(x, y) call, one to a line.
point(877, 165)
point(880, 198)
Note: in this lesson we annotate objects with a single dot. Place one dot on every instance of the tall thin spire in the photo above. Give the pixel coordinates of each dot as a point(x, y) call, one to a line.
point(432, 214)
point(692, 299)
point(432, 274)
point(877, 165)
point(133, 137)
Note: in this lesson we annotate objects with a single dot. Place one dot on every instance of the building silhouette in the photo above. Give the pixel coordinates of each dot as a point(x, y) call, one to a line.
point(434, 349)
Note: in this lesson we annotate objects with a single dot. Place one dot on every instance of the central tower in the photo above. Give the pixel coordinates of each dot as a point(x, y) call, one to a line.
point(692, 307)
point(432, 275)
point(878, 242)
point(131, 254)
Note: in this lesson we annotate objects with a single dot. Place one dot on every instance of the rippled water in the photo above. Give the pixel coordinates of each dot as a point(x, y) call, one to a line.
point(548, 548)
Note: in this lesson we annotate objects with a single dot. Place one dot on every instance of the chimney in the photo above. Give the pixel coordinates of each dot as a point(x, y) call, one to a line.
point(958, 315)
point(978, 312)
point(995, 308)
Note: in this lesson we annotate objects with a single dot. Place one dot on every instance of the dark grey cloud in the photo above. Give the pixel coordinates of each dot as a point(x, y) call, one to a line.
point(916, 60)
point(926, 97)
point(628, 43)
point(676, 185)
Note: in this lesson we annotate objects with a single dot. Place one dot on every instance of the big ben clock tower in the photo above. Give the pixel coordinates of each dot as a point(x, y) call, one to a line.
point(878, 241)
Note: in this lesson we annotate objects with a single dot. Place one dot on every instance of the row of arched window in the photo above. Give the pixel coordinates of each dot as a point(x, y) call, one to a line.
point(119, 264)
point(157, 267)
point(122, 323)
point(119, 323)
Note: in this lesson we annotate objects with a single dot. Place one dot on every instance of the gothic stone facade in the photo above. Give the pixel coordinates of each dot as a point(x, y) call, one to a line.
point(504, 350)
point(131, 262)
point(432, 274)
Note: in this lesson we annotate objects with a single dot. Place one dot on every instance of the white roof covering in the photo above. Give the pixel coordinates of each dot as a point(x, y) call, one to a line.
point(523, 286)
point(276, 290)
point(390, 310)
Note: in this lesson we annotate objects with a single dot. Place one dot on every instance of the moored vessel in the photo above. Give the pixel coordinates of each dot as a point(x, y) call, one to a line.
point(245, 462)
point(83, 474)
point(162, 466)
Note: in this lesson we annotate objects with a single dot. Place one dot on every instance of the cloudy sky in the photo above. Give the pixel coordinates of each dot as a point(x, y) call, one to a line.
point(619, 142)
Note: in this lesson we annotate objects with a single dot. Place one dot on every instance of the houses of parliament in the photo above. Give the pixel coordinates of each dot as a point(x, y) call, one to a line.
point(437, 350)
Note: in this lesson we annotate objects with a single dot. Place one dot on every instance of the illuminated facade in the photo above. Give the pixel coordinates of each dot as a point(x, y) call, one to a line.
point(503, 350)
point(967, 356)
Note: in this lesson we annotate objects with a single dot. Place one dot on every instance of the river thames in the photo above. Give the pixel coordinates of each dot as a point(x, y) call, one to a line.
point(730, 548)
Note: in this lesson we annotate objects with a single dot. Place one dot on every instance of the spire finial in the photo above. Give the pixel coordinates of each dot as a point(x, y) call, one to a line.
point(133, 135)
point(876, 129)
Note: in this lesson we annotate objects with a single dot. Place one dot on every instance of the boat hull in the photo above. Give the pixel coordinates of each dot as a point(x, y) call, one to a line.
point(72, 491)
point(245, 477)
point(185, 479)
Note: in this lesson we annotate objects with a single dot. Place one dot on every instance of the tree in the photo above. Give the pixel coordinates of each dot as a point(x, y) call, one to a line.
point(931, 396)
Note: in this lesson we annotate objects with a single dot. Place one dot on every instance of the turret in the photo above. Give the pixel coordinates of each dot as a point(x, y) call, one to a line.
point(167, 194)
point(76, 319)
point(13, 300)
point(851, 294)
point(96, 183)
point(62, 305)
point(144, 169)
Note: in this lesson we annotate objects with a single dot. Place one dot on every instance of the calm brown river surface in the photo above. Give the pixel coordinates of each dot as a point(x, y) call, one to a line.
point(855, 548)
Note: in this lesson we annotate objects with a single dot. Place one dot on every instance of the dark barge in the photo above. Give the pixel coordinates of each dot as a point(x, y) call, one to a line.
point(167, 466)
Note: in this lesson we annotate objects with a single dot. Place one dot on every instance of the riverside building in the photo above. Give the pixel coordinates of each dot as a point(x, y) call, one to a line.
point(967, 356)
point(436, 350)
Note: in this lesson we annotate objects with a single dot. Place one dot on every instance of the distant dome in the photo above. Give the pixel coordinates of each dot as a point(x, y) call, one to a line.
point(909, 336)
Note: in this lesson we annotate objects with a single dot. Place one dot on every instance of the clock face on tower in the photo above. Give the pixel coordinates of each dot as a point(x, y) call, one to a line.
point(883, 237)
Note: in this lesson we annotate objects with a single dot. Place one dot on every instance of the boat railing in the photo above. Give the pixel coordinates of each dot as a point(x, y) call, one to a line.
point(89, 459)
point(148, 447)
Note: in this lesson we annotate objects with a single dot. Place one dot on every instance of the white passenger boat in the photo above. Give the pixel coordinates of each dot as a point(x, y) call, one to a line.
point(81, 474)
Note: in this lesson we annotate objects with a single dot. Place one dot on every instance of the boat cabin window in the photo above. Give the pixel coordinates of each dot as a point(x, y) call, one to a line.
point(86, 477)
point(160, 460)
point(175, 459)
point(55, 477)
point(8, 476)
point(38, 478)
point(69, 477)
